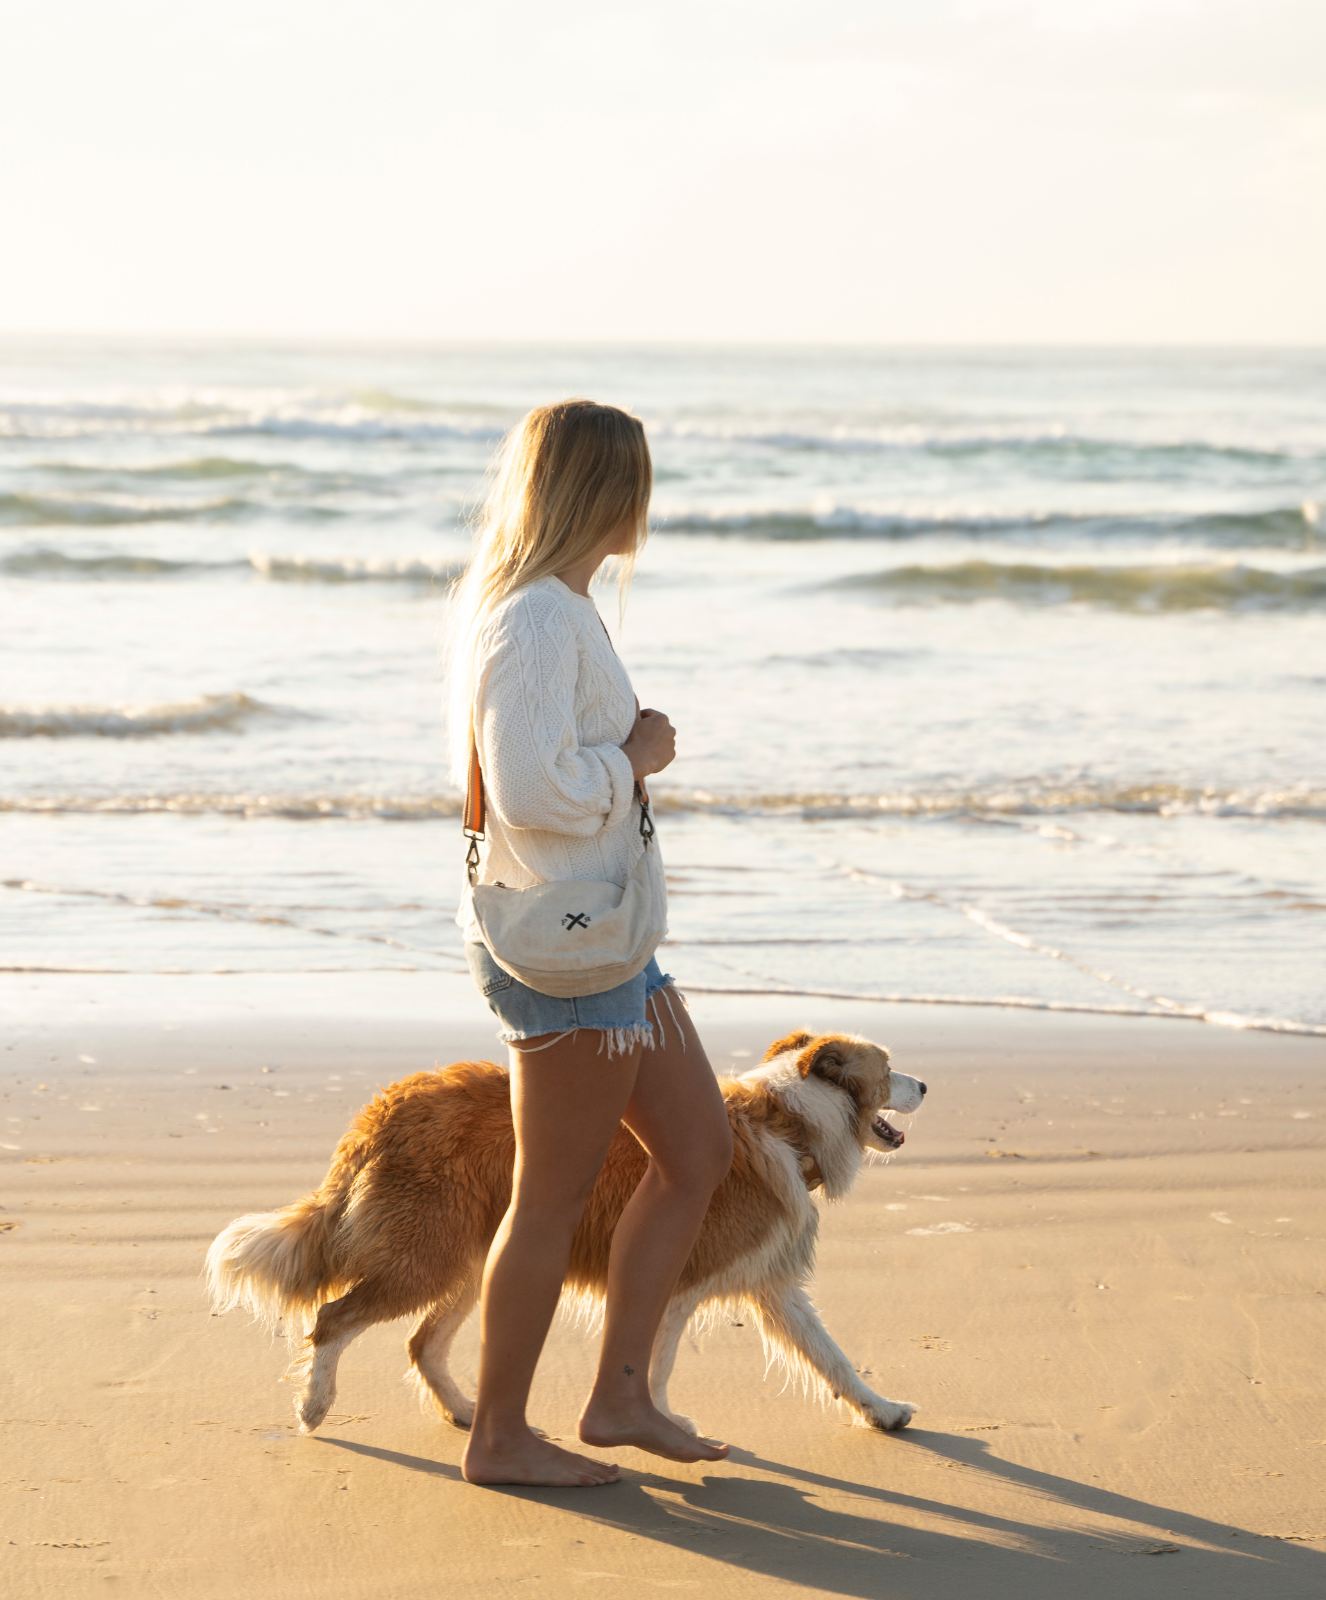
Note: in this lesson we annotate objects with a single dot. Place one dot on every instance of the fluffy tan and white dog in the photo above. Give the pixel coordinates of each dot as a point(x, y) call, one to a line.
point(402, 1223)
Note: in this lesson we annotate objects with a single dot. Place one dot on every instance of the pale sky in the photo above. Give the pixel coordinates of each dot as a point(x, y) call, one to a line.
point(775, 170)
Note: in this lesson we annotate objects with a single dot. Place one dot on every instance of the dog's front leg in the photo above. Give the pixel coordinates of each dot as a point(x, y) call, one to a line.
point(793, 1333)
point(679, 1312)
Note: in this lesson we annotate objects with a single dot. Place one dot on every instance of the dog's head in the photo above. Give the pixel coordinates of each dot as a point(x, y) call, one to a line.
point(840, 1083)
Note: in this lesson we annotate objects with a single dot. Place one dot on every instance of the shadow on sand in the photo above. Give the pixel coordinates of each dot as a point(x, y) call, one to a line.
point(782, 1531)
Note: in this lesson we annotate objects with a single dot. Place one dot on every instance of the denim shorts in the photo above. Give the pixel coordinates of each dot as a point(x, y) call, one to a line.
point(619, 1014)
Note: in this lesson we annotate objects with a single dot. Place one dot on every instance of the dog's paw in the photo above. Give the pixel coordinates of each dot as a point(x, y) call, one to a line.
point(310, 1412)
point(459, 1416)
point(887, 1415)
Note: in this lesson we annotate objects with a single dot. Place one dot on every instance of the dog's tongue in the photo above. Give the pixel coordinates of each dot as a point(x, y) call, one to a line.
point(885, 1130)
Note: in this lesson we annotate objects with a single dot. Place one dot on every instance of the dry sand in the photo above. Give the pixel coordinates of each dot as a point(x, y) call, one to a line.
point(1097, 1267)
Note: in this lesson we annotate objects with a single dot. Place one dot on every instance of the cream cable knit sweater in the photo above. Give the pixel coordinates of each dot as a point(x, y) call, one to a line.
point(553, 706)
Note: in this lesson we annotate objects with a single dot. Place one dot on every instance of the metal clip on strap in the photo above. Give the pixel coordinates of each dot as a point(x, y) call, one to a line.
point(646, 821)
point(476, 814)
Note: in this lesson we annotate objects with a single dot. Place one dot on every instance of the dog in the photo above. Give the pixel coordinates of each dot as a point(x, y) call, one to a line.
point(403, 1220)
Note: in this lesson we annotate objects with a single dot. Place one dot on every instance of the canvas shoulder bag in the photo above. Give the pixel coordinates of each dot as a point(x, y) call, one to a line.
point(565, 939)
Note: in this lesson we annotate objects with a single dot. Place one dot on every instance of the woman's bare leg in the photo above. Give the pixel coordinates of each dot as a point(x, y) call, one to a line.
point(678, 1115)
point(567, 1102)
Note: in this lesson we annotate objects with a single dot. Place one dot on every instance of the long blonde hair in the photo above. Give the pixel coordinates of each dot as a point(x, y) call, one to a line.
point(565, 477)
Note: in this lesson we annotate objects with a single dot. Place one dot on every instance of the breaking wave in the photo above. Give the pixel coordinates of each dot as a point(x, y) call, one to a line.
point(371, 413)
point(1289, 526)
point(1051, 443)
point(367, 415)
point(193, 469)
point(293, 807)
point(78, 511)
point(209, 713)
point(1134, 588)
point(1029, 798)
point(381, 569)
point(48, 563)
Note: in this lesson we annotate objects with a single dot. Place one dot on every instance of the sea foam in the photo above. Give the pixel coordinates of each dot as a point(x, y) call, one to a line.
point(364, 569)
point(1031, 798)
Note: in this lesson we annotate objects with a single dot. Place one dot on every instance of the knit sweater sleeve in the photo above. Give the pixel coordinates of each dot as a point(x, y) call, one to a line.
point(536, 772)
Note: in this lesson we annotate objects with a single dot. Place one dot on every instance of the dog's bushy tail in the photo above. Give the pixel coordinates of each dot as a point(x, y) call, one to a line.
point(276, 1264)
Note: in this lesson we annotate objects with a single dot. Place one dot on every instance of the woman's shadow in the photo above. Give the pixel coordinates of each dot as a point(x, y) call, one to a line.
point(784, 1531)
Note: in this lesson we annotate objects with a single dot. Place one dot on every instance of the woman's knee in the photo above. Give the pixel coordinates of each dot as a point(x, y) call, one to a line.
point(702, 1165)
point(550, 1204)
point(720, 1155)
point(716, 1145)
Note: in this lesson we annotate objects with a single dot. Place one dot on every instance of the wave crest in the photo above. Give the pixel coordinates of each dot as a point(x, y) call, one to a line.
point(209, 713)
point(292, 807)
point(1029, 798)
point(1054, 443)
point(370, 415)
point(1288, 526)
point(1136, 588)
point(78, 511)
point(49, 563)
point(349, 569)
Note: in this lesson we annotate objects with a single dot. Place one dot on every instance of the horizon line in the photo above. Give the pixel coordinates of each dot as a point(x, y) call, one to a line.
point(616, 342)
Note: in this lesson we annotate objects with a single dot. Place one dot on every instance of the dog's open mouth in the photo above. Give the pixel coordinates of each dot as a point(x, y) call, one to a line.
point(886, 1133)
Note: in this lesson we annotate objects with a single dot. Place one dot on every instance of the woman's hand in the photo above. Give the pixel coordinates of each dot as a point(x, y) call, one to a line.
point(652, 745)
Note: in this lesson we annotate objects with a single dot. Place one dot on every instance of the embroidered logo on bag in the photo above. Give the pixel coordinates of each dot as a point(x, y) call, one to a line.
point(575, 919)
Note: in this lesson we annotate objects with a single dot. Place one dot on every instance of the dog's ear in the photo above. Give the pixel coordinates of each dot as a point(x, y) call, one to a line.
point(794, 1041)
point(825, 1058)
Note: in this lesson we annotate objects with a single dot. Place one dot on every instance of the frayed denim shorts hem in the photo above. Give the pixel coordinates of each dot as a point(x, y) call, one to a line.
point(620, 1015)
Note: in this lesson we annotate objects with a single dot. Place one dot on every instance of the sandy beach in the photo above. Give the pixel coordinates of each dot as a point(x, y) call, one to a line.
point(965, 487)
point(1096, 1267)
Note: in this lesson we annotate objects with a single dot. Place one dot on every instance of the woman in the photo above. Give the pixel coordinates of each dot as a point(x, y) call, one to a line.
point(562, 746)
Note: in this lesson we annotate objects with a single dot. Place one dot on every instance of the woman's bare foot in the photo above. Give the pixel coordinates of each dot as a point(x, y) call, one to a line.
point(641, 1424)
point(525, 1458)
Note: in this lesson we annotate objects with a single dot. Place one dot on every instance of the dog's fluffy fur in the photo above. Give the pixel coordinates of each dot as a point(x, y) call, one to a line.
point(402, 1223)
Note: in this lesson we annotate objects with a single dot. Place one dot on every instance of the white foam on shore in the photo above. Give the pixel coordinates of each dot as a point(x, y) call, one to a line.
point(290, 807)
point(1032, 798)
point(1013, 1002)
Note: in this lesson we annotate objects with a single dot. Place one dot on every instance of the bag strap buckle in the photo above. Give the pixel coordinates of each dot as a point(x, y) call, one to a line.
point(476, 813)
point(646, 821)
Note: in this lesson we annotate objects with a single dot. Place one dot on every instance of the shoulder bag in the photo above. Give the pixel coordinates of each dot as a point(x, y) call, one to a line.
point(565, 939)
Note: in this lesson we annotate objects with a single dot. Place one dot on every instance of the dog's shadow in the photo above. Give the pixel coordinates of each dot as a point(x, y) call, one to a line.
point(805, 1530)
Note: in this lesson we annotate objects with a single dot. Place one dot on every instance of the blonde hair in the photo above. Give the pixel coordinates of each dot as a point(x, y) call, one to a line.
point(565, 478)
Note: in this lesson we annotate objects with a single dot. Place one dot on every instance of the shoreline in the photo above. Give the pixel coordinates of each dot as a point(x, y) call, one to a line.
point(1095, 1265)
point(1216, 1019)
point(1288, 1027)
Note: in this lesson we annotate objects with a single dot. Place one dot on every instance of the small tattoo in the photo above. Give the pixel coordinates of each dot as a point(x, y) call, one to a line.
point(629, 1371)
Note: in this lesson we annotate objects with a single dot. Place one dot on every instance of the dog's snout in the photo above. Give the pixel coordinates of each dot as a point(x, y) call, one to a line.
point(920, 1086)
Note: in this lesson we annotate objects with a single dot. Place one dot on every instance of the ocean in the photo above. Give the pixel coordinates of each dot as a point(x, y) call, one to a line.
point(999, 677)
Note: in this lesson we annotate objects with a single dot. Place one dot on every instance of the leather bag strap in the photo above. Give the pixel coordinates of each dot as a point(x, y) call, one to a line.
point(476, 811)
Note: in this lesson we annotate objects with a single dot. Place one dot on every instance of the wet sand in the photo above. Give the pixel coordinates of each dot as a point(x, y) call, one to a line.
point(1097, 1266)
